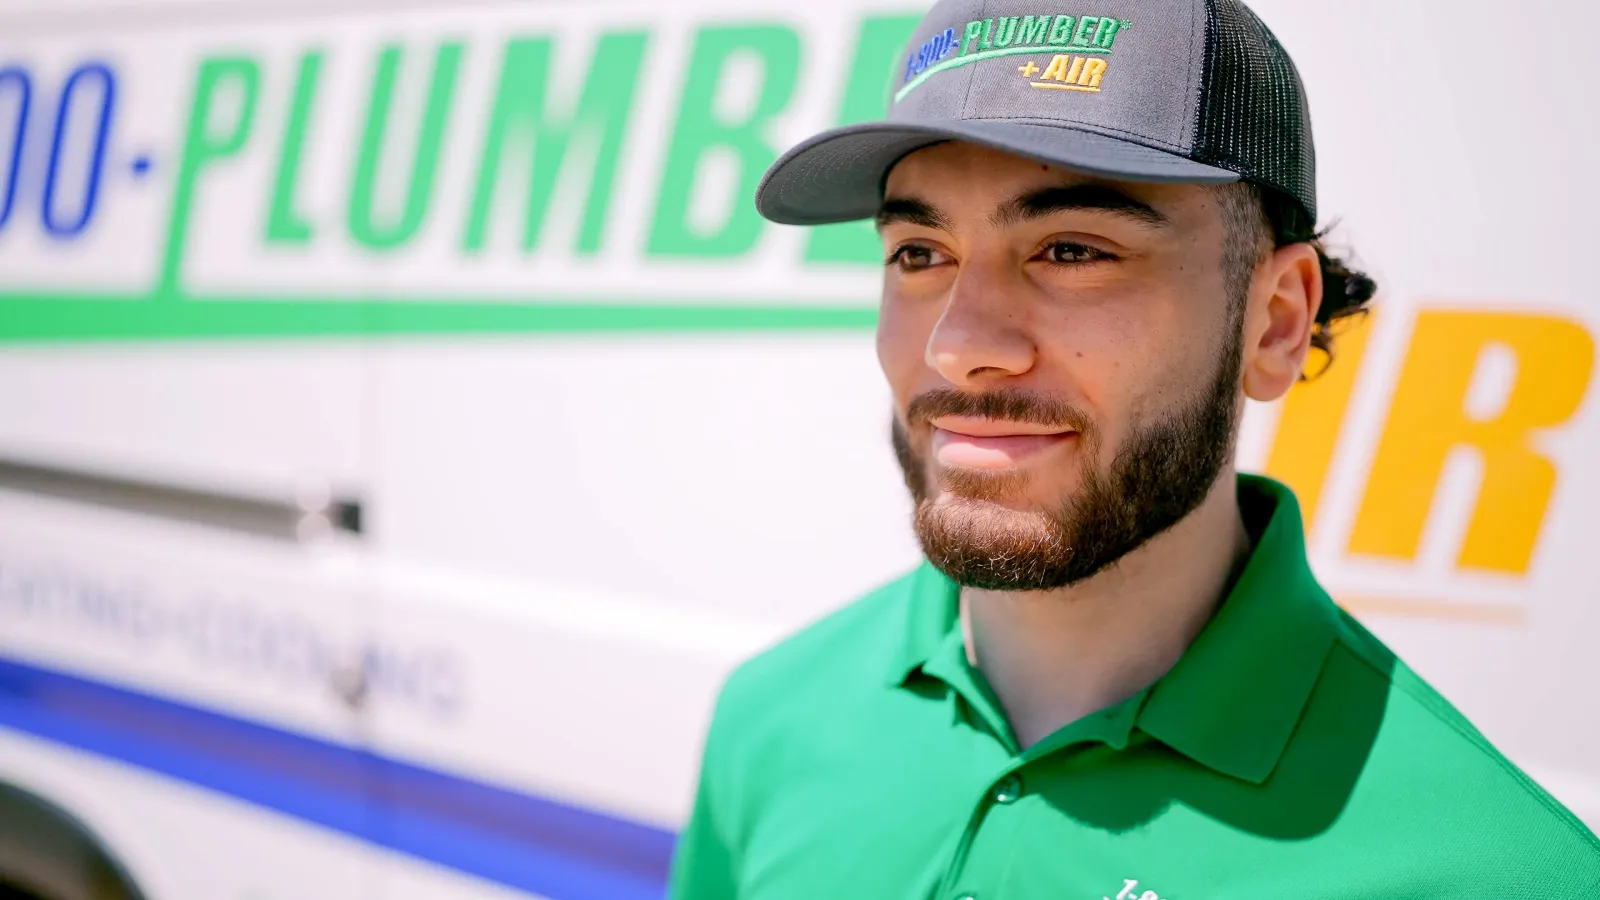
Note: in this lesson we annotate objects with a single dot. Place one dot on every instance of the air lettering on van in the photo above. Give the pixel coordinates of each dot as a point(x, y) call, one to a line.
point(1434, 414)
point(1479, 393)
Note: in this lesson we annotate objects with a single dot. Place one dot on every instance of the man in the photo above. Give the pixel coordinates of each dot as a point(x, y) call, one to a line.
point(1115, 677)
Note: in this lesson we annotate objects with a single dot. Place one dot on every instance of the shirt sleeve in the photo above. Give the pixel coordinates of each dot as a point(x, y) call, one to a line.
point(703, 862)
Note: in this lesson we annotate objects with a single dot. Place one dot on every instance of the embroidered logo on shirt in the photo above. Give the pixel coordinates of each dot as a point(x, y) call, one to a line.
point(1130, 891)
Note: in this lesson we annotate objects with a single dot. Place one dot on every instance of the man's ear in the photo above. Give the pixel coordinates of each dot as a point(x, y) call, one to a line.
point(1284, 298)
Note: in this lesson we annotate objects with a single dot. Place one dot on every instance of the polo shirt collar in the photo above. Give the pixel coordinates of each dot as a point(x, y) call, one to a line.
point(1235, 697)
point(932, 607)
point(1233, 700)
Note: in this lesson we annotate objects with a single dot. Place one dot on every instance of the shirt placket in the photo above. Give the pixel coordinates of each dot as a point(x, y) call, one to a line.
point(992, 823)
point(991, 838)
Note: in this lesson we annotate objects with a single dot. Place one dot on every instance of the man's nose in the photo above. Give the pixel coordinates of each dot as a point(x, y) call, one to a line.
point(981, 337)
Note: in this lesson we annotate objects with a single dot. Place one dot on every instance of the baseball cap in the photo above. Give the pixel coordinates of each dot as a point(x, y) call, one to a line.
point(1190, 91)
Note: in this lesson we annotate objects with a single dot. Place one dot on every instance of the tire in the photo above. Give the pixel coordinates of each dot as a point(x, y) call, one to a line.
point(47, 854)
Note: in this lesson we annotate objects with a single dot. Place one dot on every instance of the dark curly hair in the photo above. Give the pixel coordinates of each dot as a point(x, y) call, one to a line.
point(1258, 218)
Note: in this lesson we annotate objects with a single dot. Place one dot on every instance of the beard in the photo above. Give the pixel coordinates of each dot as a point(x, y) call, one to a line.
point(1162, 473)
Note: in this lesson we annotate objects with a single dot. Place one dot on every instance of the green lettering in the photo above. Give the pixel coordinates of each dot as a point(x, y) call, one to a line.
point(969, 42)
point(988, 32)
point(603, 109)
point(1007, 31)
point(285, 225)
point(1061, 30)
point(424, 161)
point(205, 142)
point(877, 44)
point(700, 130)
point(1108, 32)
point(1034, 29)
point(1080, 37)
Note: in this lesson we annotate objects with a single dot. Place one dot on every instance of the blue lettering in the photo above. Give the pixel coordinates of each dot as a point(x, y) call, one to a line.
point(221, 633)
point(70, 226)
point(429, 680)
point(301, 653)
point(22, 87)
point(933, 50)
point(445, 684)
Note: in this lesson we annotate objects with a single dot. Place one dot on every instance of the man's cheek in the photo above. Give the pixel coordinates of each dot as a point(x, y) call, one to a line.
point(890, 354)
point(904, 330)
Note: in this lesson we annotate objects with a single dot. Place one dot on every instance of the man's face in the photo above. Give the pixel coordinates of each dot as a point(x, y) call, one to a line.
point(1064, 354)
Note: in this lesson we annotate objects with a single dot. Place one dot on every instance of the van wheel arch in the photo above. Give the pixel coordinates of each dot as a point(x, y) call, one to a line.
point(46, 852)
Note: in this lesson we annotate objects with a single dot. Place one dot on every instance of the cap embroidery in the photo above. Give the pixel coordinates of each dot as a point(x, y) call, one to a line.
point(1067, 73)
point(1014, 35)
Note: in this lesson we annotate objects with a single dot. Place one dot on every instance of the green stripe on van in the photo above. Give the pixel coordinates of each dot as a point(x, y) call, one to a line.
point(42, 318)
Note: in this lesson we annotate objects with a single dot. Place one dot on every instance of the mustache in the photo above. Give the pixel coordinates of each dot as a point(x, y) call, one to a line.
point(1013, 405)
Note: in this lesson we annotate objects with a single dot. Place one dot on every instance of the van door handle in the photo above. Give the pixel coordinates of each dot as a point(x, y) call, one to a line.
point(302, 518)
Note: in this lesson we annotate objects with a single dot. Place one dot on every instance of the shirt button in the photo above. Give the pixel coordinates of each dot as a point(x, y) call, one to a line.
point(968, 897)
point(1008, 791)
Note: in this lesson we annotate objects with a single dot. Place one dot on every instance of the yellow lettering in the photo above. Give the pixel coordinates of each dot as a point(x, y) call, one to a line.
point(1093, 71)
point(1057, 68)
point(1429, 419)
point(1312, 417)
point(1073, 73)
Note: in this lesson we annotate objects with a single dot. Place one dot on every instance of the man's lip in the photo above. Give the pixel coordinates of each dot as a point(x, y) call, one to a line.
point(1002, 451)
point(967, 426)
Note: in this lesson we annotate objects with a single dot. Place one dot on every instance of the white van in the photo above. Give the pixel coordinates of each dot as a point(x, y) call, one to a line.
point(406, 421)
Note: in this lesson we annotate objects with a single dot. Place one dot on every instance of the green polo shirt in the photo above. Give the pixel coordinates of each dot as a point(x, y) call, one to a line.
point(1288, 754)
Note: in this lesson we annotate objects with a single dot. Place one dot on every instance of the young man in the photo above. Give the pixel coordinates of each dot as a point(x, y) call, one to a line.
point(1115, 677)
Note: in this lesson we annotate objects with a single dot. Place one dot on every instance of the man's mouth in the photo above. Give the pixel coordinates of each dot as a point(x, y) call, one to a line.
point(972, 443)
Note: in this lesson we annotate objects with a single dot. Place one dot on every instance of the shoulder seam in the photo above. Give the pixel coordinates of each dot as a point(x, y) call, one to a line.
point(1481, 744)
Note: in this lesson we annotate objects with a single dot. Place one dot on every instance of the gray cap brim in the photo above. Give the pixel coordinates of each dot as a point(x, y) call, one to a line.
point(838, 175)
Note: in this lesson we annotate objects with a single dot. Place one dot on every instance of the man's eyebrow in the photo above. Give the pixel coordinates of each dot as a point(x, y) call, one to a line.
point(1051, 200)
point(913, 211)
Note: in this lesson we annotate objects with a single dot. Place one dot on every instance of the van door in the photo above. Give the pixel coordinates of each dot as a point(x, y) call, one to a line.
point(183, 610)
point(183, 593)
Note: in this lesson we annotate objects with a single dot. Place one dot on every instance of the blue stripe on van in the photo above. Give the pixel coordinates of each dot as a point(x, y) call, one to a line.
point(515, 839)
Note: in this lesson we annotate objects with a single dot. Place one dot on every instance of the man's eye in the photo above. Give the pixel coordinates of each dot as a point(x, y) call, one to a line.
point(912, 257)
point(1067, 252)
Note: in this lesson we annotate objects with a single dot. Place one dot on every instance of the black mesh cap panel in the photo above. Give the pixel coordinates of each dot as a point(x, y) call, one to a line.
point(1254, 118)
